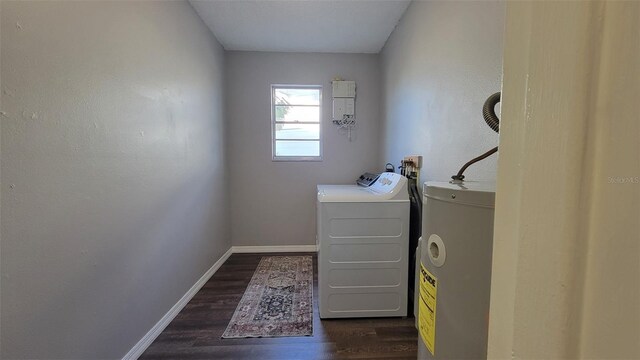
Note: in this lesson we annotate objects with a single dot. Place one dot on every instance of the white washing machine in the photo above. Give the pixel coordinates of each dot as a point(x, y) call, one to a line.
point(455, 280)
point(363, 237)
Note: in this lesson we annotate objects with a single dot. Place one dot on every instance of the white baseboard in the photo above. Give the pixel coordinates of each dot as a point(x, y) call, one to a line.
point(272, 249)
point(155, 331)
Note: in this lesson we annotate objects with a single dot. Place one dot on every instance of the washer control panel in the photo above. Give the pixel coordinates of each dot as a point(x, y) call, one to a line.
point(367, 179)
point(387, 182)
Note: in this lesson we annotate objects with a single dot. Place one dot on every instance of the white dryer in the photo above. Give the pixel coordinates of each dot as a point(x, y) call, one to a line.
point(363, 238)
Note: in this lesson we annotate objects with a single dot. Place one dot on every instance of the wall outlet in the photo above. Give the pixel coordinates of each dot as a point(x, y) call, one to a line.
point(416, 159)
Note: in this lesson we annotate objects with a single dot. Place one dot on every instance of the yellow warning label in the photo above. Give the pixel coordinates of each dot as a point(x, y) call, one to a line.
point(427, 308)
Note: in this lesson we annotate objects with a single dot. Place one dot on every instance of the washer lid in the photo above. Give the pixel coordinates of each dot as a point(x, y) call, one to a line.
point(476, 193)
point(388, 187)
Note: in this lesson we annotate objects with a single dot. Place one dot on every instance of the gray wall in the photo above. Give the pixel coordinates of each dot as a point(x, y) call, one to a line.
point(113, 181)
point(439, 65)
point(273, 203)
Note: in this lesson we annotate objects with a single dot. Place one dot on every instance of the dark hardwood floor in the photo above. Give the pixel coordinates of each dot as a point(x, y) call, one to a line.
point(195, 333)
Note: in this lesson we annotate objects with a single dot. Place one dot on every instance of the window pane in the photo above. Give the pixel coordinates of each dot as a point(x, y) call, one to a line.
point(298, 131)
point(297, 96)
point(297, 113)
point(297, 148)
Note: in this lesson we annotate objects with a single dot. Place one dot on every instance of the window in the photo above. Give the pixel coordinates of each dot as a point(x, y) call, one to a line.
point(295, 122)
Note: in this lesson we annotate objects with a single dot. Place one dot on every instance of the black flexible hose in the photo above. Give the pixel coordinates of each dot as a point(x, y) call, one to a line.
point(490, 117)
point(459, 176)
point(489, 112)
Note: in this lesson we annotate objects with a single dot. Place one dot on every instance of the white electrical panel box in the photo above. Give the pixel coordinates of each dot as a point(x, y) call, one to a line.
point(344, 99)
point(342, 107)
point(344, 89)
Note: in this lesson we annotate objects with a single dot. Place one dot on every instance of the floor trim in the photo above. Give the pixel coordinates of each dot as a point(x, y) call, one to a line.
point(157, 329)
point(272, 249)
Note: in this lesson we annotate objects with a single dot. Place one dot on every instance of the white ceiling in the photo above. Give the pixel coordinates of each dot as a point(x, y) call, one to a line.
point(342, 26)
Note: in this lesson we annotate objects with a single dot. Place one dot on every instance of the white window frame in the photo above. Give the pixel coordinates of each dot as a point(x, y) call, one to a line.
point(273, 124)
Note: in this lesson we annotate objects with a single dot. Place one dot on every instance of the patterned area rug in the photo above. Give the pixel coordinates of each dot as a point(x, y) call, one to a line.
point(278, 300)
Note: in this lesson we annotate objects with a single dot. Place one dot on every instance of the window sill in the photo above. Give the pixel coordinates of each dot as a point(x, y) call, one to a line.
point(297, 159)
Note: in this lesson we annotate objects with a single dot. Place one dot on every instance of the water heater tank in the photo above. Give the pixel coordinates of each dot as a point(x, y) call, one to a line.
point(455, 268)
